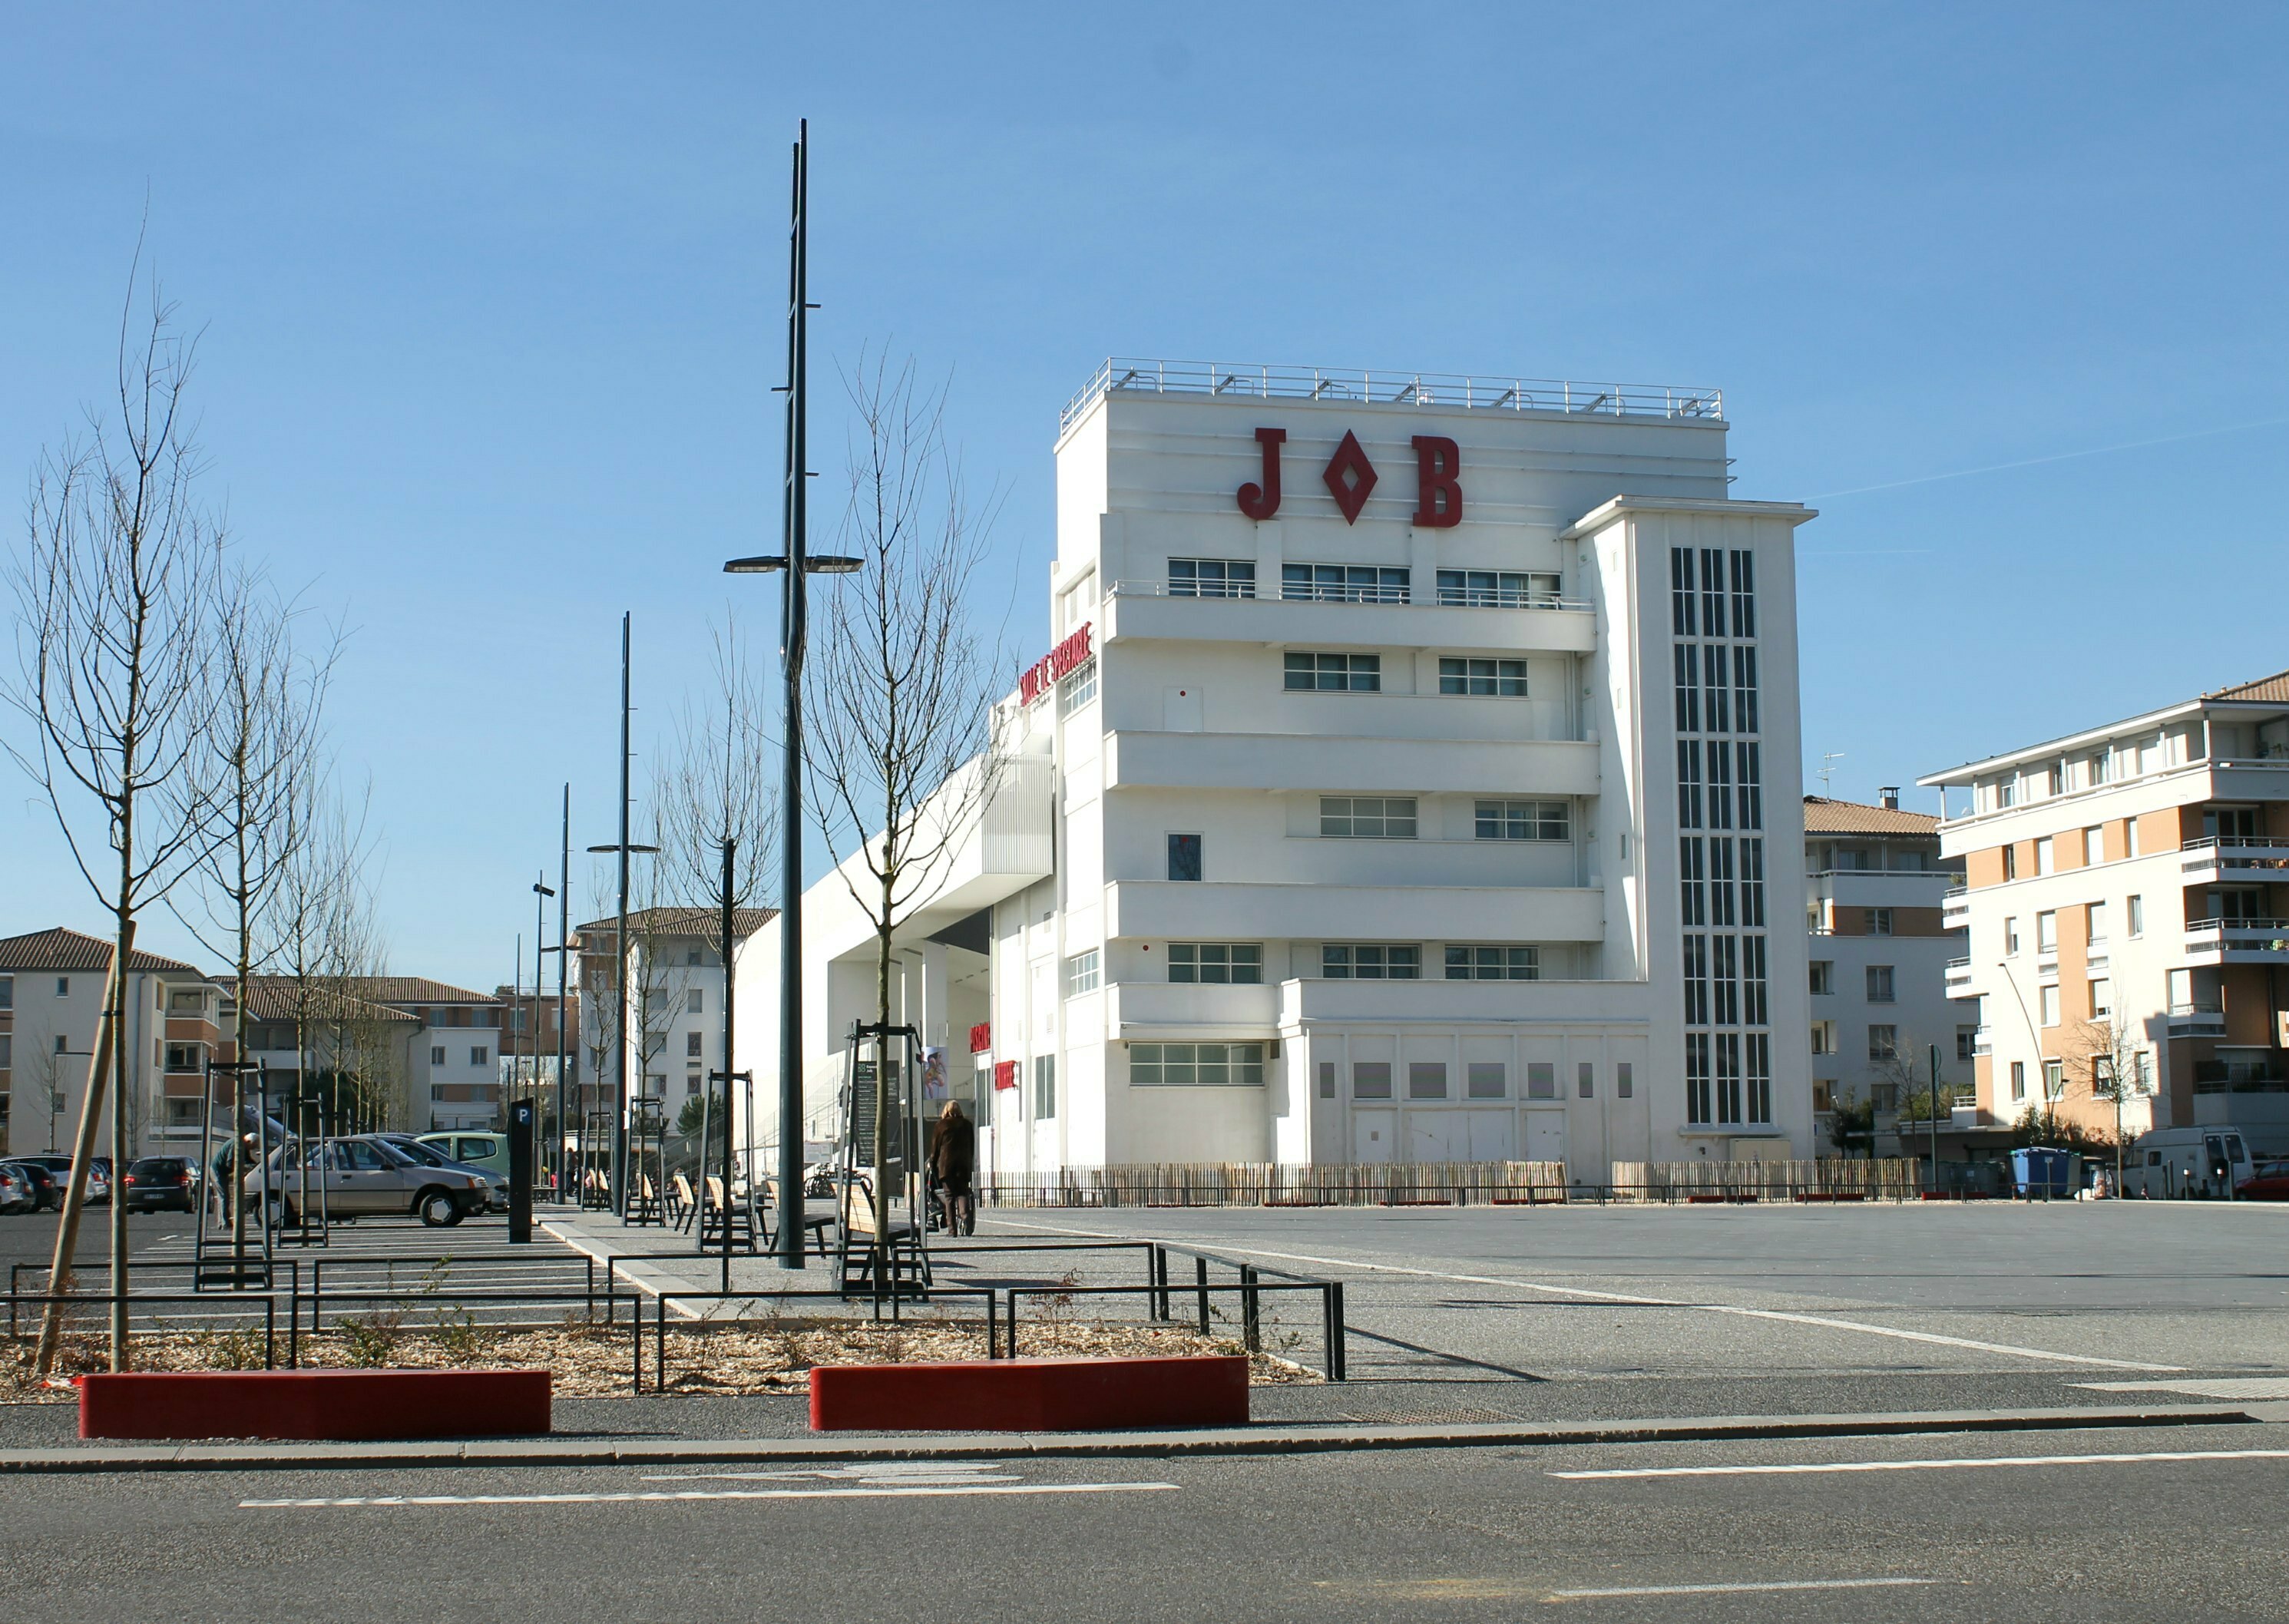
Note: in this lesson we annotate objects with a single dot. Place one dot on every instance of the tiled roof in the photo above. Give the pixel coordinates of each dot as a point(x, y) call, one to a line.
point(682, 922)
point(277, 998)
point(1823, 815)
point(411, 990)
point(2264, 690)
point(68, 950)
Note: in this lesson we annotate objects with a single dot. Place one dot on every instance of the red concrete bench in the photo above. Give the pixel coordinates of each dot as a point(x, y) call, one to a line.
point(1030, 1395)
point(339, 1404)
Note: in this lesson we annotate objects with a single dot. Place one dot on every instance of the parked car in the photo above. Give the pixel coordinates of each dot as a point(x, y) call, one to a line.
point(2267, 1181)
point(364, 1174)
point(488, 1152)
point(59, 1166)
point(161, 1184)
point(426, 1148)
point(47, 1189)
point(17, 1193)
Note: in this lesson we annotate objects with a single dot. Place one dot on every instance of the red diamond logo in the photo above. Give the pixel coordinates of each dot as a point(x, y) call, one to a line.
point(1350, 477)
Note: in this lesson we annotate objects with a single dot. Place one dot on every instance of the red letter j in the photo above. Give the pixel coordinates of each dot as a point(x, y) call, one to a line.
point(1262, 501)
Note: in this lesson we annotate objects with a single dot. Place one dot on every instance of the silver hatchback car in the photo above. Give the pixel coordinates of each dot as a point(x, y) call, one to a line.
point(365, 1174)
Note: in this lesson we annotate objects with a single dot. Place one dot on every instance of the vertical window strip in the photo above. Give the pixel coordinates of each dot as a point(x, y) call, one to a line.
point(1688, 688)
point(1724, 970)
point(1745, 593)
point(1691, 896)
point(1728, 1077)
point(1680, 591)
point(1696, 1078)
point(1752, 787)
point(1746, 719)
point(1720, 881)
point(1696, 980)
point(1713, 592)
point(1752, 883)
point(1712, 678)
point(1721, 785)
point(1760, 1077)
point(1754, 1006)
point(1689, 784)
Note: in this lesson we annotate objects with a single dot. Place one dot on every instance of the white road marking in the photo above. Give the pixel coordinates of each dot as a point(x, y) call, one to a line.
point(2218, 1387)
point(879, 1474)
point(1821, 1320)
point(1735, 1590)
point(1801, 1467)
point(629, 1496)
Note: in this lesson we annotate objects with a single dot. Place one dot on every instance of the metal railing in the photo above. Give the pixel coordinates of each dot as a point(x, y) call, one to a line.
point(1347, 594)
point(1391, 389)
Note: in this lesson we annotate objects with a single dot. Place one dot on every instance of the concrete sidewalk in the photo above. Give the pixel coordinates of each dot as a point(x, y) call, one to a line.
point(258, 1456)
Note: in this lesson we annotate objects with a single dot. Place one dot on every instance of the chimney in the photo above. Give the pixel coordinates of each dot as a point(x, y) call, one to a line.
point(1890, 794)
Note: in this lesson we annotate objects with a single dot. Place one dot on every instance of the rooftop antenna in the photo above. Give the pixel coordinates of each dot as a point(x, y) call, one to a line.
point(1828, 771)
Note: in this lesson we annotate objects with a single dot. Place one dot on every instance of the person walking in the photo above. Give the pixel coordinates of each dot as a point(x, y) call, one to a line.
point(952, 1159)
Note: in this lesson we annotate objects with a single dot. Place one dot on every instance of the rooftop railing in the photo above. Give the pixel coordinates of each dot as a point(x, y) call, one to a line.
point(1397, 388)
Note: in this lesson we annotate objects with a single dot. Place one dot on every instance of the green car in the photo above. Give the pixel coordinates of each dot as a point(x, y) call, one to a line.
point(486, 1153)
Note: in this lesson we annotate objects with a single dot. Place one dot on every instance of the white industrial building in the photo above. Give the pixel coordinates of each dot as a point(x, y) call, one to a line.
point(1395, 788)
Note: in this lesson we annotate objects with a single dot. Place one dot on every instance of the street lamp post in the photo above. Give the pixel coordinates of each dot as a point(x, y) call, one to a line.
point(541, 892)
point(797, 563)
point(623, 849)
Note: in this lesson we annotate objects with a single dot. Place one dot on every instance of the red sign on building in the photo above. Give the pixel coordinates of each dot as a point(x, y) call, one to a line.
point(1062, 661)
point(1005, 1074)
point(981, 1038)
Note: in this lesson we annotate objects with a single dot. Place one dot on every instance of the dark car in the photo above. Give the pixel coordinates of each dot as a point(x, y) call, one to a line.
point(161, 1184)
point(59, 1166)
point(48, 1190)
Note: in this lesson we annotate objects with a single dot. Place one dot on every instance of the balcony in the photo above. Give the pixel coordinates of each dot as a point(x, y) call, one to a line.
point(1354, 764)
point(1241, 911)
point(2238, 942)
point(1959, 978)
point(1954, 909)
point(2196, 1021)
point(1145, 609)
point(2235, 862)
point(1983, 1041)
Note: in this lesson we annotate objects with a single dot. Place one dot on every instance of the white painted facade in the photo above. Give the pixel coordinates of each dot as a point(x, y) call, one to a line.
point(1427, 925)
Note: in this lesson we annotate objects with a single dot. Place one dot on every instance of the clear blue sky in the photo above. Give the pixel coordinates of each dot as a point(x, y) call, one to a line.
point(491, 297)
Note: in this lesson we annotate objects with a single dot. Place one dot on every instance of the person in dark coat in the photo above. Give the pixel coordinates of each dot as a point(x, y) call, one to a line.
point(953, 1159)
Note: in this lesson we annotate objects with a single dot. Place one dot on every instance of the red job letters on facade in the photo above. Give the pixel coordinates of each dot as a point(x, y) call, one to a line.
point(1350, 478)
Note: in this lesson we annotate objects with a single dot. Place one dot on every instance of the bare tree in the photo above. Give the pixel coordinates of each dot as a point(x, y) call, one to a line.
point(2114, 1065)
point(115, 596)
point(321, 912)
point(900, 694)
point(265, 740)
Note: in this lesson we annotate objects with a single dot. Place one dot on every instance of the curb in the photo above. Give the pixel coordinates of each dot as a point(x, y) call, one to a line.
point(1225, 1441)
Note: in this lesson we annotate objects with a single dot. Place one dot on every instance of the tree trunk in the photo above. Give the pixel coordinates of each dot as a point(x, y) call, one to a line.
point(91, 1112)
point(882, 1087)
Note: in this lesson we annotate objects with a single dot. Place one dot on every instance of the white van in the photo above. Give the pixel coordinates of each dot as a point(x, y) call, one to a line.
point(2186, 1161)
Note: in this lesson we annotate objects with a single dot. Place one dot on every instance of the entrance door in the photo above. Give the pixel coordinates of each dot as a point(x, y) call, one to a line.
point(1373, 1133)
point(1493, 1135)
point(1181, 709)
point(2229, 823)
point(1545, 1136)
point(1436, 1137)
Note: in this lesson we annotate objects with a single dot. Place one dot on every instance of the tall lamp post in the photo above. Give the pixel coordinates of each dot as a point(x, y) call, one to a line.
point(797, 563)
point(624, 850)
point(541, 893)
point(563, 895)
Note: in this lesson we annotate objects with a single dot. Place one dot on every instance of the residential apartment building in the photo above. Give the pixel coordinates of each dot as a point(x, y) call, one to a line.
point(1394, 788)
point(51, 985)
point(1881, 950)
point(2126, 901)
point(675, 1032)
point(305, 1032)
point(529, 1039)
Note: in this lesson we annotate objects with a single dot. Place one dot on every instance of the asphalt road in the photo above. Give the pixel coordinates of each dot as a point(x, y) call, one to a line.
point(1907, 1533)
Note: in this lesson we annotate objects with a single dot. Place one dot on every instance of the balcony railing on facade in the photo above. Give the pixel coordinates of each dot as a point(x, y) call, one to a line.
point(2229, 860)
point(1467, 598)
point(1955, 908)
point(1122, 374)
point(2272, 761)
point(2237, 941)
point(1958, 977)
point(2195, 1021)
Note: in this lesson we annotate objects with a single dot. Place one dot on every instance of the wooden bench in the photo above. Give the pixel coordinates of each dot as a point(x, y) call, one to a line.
point(814, 1229)
point(718, 1215)
point(681, 1203)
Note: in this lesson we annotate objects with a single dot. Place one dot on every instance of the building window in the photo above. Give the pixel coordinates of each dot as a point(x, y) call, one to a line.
point(1343, 583)
point(1686, 659)
point(2010, 936)
point(1426, 1080)
point(2044, 861)
point(2137, 916)
point(185, 1056)
point(1712, 690)
point(2101, 998)
point(481, 1055)
point(1370, 960)
point(1541, 1080)
point(1692, 879)
point(1823, 976)
point(1696, 979)
point(694, 956)
point(63, 1043)
point(1745, 593)
point(1697, 1101)
point(1045, 1087)
point(1082, 973)
point(1327, 1080)
point(1521, 820)
point(436, 1053)
point(63, 986)
point(1689, 784)
point(1078, 689)
point(691, 1042)
point(2093, 846)
point(1744, 689)
point(1876, 921)
point(2018, 1080)
point(1585, 1080)
point(692, 1080)
point(1370, 1079)
point(1883, 1043)
point(2049, 999)
point(1183, 856)
point(2007, 793)
point(1471, 963)
point(1624, 1080)
point(1967, 1043)
point(1682, 620)
point(2010, 862)
point(1211, 577)
point(7, 993)
point(1496, 589)
point(1880, 983)
point(1213, 1065)
point(695, 1001)
point(1505, 679)
point(1486, 1079)
point(2095, 924)
point(2054, 1079)
point(2130, 837)
point(1823, 1037)
point(1713, 592)
point(1367, 817)
point(2046, 933)
point(1239, 964)
point(1357, 673)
